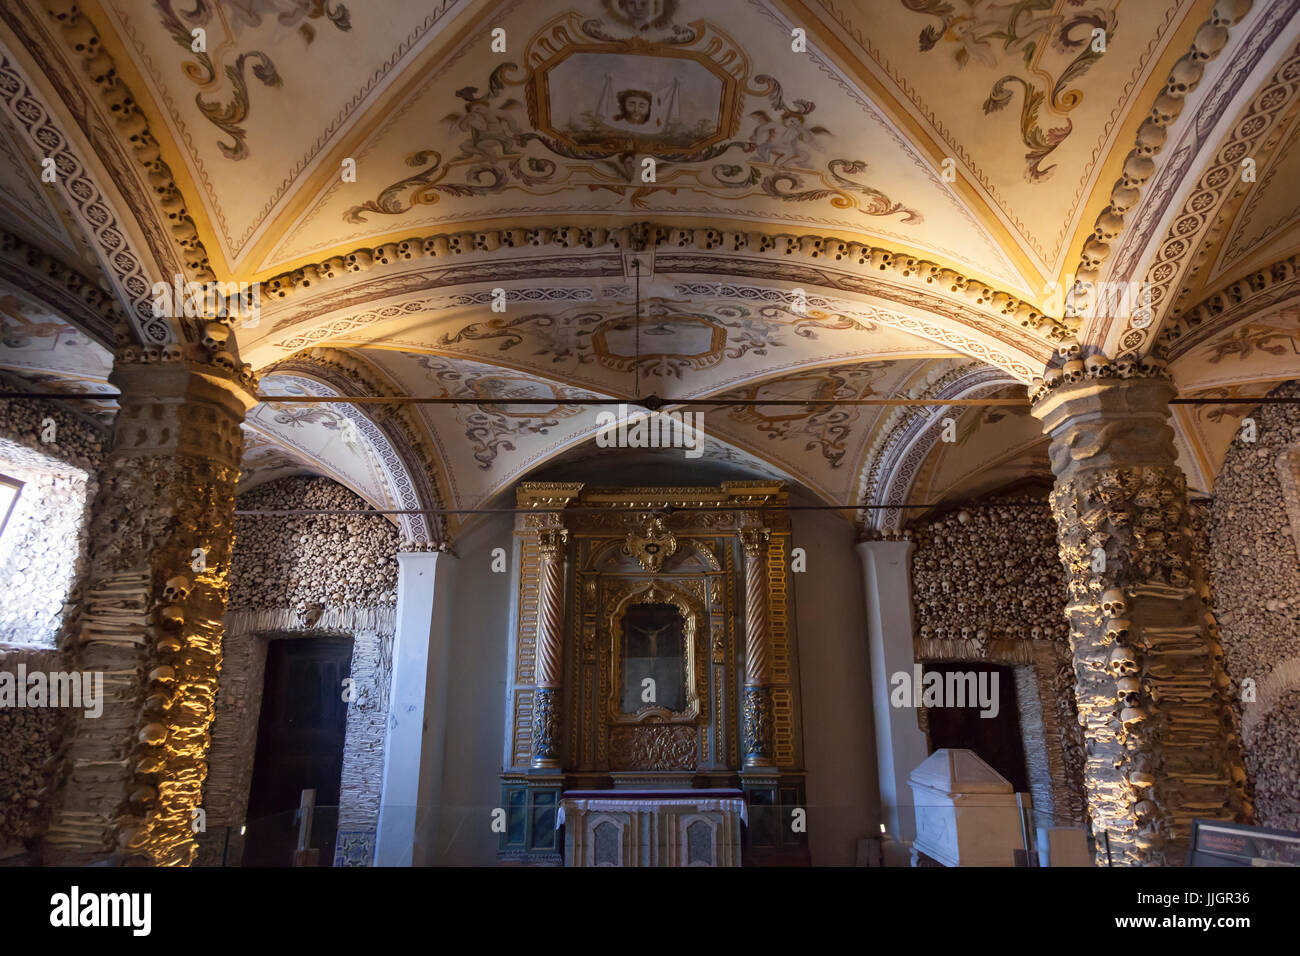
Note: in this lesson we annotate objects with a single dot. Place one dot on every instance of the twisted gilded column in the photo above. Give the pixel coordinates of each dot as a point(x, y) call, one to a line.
point(550, 648)
point(149, 612)
point(758, 650)
point(1151, 691)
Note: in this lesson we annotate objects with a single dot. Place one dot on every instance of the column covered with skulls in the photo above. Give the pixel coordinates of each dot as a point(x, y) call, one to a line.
point(1152, 694)
point(151, 607)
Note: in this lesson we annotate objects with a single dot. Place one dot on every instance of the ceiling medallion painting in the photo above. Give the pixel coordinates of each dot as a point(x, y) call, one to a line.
point(696, 339)
point(612, 102)
point(218, 70)
point(824, 427)
point(989, 32)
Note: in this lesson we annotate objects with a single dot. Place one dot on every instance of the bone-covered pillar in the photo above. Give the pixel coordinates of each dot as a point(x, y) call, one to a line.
point(1151, 690)
point(758, 666)
point(150, 610)
point(550, 648)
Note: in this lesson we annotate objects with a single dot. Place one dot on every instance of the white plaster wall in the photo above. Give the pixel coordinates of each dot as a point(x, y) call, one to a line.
point(838, 739)
point(458, 832)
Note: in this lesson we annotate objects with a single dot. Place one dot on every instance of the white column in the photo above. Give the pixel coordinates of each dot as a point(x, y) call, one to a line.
point(413, 745)
point(900, 744)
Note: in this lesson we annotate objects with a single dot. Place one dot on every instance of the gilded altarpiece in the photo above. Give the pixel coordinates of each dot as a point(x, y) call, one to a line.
point(647, 564)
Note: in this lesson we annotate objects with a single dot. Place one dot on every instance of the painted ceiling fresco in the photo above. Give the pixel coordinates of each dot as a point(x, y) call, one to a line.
point(953, 155)
point(1021, 95)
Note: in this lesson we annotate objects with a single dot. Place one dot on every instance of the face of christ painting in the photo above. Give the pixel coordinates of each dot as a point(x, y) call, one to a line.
point(654, 648)
point(633, 107)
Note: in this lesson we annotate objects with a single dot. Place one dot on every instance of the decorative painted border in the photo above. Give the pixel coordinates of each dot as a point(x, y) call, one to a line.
point(1140, 165)
point(86, 199)
point(1179, 249)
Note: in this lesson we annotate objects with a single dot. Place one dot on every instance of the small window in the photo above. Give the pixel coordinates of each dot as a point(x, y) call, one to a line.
point(9, 491)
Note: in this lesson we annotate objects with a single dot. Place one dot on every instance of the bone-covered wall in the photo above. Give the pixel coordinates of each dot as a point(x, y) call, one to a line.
point(297, 577)
point(1253, 526)
point(988, 585)
point(56, 455)
point(296, 562)
point(41, 556)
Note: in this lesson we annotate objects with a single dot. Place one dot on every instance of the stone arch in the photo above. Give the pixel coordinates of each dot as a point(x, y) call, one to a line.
point(907, 438)
point(397, 443)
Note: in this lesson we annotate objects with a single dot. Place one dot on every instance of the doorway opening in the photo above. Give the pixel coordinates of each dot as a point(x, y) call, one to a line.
point(300, 738)
point(995, 739)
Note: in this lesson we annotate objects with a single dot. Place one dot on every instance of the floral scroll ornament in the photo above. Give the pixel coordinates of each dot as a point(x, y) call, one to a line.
point(652, 546)
point(1024, 28)
point(235, 17)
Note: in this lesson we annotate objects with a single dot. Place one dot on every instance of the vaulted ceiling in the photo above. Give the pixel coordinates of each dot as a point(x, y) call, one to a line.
point(608, 199)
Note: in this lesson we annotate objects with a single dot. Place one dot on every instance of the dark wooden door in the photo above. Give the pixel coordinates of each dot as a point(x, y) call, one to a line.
point(299, 747)
point(995, 739)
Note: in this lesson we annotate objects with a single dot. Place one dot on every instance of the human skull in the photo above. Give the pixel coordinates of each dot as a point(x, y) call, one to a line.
point(1151, 366)
point(1052, 377)
point(225, 361)
point(153, 735)
point(1122, 663)
point(150, 354)
point(1069, 349)
point(1073, 371)
point(177, 589)
point(168, 644)
point(1113, 603)
point(171, 616)
point(1117, 631)
point(1097, 366)
point(1093, 254)
point(1129, 690)
point(215, 336)
point(1125, 367)
point(926, 630)
point(173, 353)
point(162, 674)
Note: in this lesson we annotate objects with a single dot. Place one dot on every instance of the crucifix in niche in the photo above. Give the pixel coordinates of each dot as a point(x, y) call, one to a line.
point(654, 649)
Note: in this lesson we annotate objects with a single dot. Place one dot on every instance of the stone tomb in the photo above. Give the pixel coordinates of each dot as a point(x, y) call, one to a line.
point(966, 812)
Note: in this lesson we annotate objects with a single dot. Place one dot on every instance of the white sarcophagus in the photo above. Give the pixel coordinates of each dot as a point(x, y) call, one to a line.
point(966, 812)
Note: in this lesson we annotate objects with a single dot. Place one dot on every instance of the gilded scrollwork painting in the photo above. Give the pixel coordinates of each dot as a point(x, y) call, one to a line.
point(686, 101)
